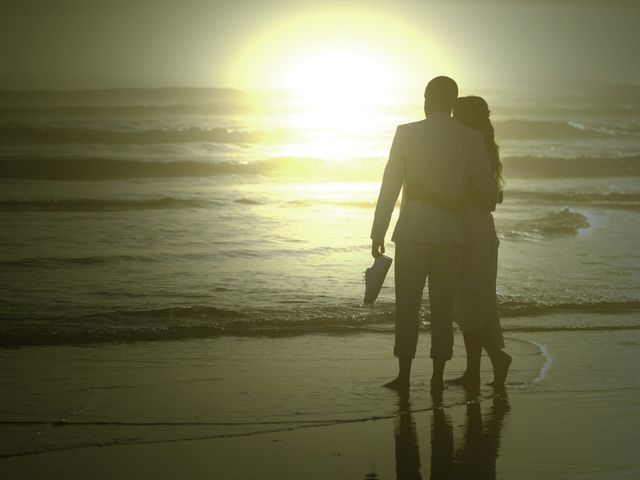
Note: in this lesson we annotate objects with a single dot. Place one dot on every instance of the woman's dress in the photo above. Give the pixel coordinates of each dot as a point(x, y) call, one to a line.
point(476, 304)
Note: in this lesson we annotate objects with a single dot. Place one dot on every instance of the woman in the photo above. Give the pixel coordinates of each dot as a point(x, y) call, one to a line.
point(476, 309)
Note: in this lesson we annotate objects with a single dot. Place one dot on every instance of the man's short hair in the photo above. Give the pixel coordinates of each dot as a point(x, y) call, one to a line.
point(441, 93)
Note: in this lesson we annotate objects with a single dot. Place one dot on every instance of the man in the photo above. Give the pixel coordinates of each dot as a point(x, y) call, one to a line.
point(439, 156)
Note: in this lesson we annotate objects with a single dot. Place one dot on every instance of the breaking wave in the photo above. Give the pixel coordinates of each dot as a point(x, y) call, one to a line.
point(108, 169)
point(554, 167)
point(210, 322)
point(57, 262)
point(563, 222)
point(557, 130)
point(621, 200)
point(47, 135)
point(159, 203)
point(79, 168)
point(103, 205)
point(118, 97)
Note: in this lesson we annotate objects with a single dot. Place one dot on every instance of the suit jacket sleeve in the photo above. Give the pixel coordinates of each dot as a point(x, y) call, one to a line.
point(389, 190)
point(481, 175)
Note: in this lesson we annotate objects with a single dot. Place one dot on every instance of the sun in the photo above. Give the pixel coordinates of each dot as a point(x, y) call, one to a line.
point(347, 74)
point(337, 88)
point(338, 67)
point(357, 51)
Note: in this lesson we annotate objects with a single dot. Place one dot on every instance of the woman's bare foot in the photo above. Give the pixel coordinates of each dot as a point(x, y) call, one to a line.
point(398, 384)
point(500, 369)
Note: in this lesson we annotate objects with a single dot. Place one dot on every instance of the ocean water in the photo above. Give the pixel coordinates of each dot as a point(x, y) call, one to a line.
point(158, 214)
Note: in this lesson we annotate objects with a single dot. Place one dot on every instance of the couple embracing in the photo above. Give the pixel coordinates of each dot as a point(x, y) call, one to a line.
point(451, 177)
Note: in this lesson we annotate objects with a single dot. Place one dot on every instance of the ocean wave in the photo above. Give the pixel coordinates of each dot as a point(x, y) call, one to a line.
point(159, 203)
point(577, 109)
point(103, 205)
point(57, 262)
point(611, 200)
point(557, 130)
point(511, 308)
point(210, 322)
point(112, 112)
point(577, 167)
point(46, 135)
point(619, 200)
point(108, 169)
point(79, 168)
point(538, 130)
point(88, 168)
point(248, 201)
point(337, 203)
point(101, 98)
point(562, 222)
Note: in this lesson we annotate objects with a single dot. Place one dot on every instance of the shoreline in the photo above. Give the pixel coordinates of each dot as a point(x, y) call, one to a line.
point(314, 407)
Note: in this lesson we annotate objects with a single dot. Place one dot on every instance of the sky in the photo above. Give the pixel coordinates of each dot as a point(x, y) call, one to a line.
point(263, 44)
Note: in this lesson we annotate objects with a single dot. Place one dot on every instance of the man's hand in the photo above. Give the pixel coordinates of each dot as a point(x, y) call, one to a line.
point(377, 248)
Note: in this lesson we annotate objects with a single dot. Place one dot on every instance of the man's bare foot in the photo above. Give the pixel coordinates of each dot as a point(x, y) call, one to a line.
point(500, 370)
point(398, 384)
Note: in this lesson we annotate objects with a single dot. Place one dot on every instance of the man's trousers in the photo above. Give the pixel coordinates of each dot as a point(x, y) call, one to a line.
point(415, 263)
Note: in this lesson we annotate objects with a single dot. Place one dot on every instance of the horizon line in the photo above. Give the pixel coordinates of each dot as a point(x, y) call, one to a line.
point(557, 81)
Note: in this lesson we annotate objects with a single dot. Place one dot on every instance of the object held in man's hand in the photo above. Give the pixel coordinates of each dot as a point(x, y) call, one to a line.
point(374, 278)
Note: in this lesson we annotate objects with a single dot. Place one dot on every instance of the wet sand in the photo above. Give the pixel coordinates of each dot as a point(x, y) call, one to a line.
point(312, 407)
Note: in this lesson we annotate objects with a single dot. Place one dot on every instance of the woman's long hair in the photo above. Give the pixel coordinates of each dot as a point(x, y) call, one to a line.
point(474, 112)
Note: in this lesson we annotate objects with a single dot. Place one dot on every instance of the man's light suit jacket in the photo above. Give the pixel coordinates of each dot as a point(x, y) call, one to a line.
point(440, 156)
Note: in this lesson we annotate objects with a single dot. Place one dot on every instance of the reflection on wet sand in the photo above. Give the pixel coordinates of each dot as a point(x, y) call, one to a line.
point(472, 458)
point(407, 449)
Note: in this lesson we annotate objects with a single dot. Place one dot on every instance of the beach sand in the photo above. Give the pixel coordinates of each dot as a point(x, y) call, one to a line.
point(312, 406)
